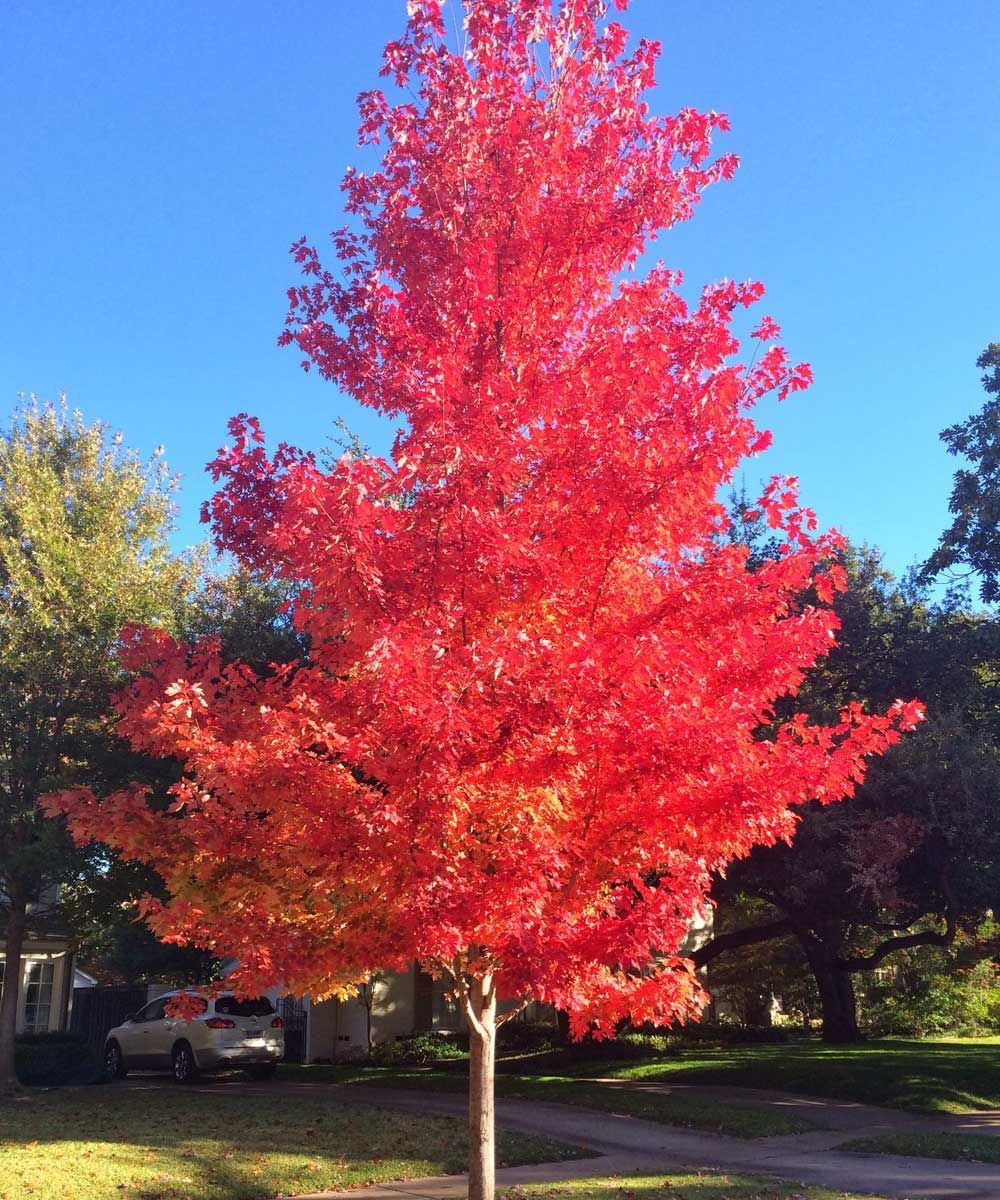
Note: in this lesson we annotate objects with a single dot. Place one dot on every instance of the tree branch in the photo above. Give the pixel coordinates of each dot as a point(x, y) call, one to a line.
point(737, 938)
point(927, 937)
point(516, 1011)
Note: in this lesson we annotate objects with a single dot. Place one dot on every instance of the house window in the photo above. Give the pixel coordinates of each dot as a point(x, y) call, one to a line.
point(37, 996)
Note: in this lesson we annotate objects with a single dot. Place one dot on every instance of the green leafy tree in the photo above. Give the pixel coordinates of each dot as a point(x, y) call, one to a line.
point(972, 540)
point(914, 857)
point(84, 525)
point(930, 990)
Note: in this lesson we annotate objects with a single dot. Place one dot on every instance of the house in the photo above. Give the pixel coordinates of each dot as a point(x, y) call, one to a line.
point(47, 971)
point(401, 1004)
point(396, 1005)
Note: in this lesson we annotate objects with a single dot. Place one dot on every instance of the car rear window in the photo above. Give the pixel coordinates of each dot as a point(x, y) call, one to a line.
point(229, 1006)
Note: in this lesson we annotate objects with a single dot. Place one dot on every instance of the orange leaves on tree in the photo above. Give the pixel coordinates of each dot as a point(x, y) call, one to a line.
point(534, 716)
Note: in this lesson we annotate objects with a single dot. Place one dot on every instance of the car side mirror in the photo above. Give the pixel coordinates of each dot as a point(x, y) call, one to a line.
point(131, 1017)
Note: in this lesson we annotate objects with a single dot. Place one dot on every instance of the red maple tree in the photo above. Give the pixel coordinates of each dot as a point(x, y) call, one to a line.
point(532, 719)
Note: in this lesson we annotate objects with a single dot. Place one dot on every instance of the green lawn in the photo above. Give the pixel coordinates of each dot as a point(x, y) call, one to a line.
point(959, 1147)
point(947, 1075)
point(133, 1144)
point(680, 1185)
point(737, 1120)
point(935, 1076)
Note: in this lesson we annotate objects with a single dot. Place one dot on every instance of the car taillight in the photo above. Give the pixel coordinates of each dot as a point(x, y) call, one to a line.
point(278, 1023)
point(220, 1023)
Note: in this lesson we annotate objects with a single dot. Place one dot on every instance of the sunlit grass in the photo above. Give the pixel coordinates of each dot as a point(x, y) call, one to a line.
point(959, 1147)
point(134, 1144)
point(683, 1184)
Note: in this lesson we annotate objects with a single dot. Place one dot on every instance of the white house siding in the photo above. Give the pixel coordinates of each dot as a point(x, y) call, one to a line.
point(337, 1029)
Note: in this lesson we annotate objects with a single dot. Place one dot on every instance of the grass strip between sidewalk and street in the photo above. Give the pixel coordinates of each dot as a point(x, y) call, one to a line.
point(958, 1147)
point(683, 1184)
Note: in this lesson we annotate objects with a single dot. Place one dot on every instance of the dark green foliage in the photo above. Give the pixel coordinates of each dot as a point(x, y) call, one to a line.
point(123, 949)
point(520, 1037)
point(421, 1050)
point(914, 857)
point(973, 538)
point(248, 613)
point(57, 1060)
point(721, 1034)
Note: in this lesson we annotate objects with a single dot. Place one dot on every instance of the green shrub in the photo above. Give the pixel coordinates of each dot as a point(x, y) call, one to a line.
point(730, 1035)
point(934, 996)
point(523, 1037)
point(421, 1050)
point(57, 1059)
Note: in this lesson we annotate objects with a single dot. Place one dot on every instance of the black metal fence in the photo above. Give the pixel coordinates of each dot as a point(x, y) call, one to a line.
point(99, 1009)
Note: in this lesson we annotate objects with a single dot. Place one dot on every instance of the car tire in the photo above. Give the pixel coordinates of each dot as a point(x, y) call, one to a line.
point(114, 1061)
point(185, 1069)
point(262, 1070)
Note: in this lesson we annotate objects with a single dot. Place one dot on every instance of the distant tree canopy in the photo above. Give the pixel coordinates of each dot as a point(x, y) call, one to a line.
point(84, 552)
point(84, 527)
point(915, 855)
point(973, 538)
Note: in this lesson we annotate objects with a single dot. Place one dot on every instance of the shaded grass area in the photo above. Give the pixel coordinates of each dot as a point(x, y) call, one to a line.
point(959, 1147)
point(942, 1076)
point(679, 1185)
point(945, 1075)
point(737, 1120)
point(138, 1144)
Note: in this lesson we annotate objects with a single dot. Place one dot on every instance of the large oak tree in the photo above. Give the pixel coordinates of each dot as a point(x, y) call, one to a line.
point(915, 857)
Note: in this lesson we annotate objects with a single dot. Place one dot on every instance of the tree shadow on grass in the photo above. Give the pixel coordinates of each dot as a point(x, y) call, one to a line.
point(170, 1144)
point(921, 1076)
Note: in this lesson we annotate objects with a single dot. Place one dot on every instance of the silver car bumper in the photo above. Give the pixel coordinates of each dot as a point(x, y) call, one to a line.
point(239, 1055)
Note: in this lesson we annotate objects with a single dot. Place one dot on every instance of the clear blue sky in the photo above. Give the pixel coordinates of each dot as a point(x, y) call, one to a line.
point(159, 158)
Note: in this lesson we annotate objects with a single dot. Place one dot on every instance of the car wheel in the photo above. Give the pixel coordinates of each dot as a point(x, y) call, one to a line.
point(185, 1068)
point(114, 1061)
point(262, 1070)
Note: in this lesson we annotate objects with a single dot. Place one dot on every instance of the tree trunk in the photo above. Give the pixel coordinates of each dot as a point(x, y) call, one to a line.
point(482, 1058)
point(836, 992)
point(13, 968)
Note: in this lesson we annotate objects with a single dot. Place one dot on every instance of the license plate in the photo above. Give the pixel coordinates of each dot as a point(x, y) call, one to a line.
point(254, 1041)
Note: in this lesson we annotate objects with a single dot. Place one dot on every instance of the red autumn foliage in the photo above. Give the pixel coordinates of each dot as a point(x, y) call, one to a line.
point(531, 723)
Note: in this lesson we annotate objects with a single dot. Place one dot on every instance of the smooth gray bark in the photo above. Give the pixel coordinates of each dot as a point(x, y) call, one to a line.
point(482, 1061)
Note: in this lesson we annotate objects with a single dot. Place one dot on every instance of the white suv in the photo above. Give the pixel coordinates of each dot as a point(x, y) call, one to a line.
point(227, 1033)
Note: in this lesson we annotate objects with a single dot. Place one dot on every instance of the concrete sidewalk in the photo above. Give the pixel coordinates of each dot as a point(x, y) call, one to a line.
point(630, 1144)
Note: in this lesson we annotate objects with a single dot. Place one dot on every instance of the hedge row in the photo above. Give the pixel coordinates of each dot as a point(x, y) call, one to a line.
point(54, 1059)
